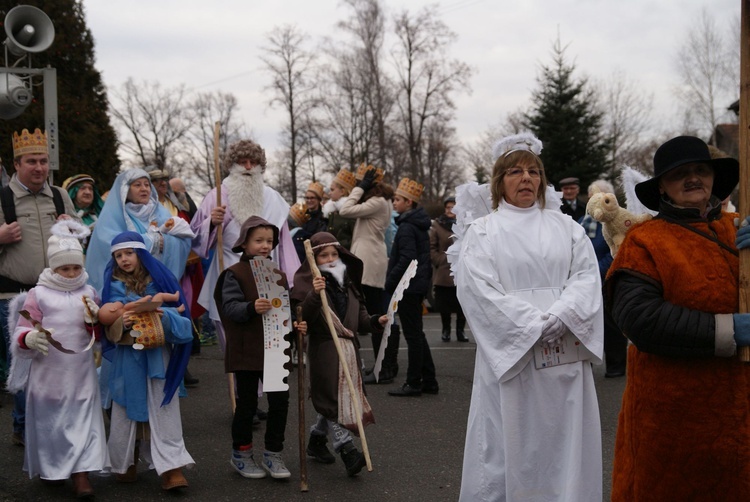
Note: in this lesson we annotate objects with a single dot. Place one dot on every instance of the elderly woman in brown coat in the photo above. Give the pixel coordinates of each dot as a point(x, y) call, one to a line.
point(442, 281)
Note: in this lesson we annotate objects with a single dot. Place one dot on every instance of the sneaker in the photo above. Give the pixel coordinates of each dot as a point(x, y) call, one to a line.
point(274, 465)
point(353, 459)
point(317, 449)
point(244, 463)
point(207, 340)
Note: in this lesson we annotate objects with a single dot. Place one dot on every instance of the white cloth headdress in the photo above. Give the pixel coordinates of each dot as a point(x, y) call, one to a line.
point(522, 141)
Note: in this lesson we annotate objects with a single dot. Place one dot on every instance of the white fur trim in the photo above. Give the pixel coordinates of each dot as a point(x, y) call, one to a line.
point(70, 228)
point(523, 141)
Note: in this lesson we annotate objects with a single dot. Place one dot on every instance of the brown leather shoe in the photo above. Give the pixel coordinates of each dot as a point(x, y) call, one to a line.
point(81, 485)
point(173, 479)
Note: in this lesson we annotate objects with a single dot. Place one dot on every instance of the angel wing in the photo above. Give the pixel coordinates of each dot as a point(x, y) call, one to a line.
point(629, 178)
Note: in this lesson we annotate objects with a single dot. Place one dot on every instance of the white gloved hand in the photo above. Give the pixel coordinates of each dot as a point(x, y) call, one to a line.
point(36, 340)
point(553, 329)
point(94, 309)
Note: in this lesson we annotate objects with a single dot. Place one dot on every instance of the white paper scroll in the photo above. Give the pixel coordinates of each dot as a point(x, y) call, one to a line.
point(277, 323)
point(398, 294)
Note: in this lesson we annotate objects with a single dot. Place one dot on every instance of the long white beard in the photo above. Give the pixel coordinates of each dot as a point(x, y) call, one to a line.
point(337, 269)
point(245, 189)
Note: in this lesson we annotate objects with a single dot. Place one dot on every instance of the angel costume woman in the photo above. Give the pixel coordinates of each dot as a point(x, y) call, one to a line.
point(528, 280)
point(64, 426)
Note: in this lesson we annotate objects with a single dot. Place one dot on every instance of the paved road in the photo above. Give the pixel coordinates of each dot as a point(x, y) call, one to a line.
point(416, 444)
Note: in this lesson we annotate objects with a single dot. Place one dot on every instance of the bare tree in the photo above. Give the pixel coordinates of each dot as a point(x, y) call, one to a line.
point(704, 73)
point(291, 66)
point(426, 79)
point(210, 108)
point(156, 119)
point(626, 113)
point(478, 154)
point(367, 27)
point(443, 168)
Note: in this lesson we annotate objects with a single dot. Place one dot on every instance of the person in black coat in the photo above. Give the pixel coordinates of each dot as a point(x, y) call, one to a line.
point(412, 242)
point(572, 205)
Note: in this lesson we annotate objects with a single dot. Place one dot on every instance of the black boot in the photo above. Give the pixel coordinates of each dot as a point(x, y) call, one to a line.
point(447, 335)
point(460, 324)
point(445, 317)
point(317, 449)
point(353, 459)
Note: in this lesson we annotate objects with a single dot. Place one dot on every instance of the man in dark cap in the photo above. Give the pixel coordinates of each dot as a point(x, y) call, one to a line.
point(572, 206)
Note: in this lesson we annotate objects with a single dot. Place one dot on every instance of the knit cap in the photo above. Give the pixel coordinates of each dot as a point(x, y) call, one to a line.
point(64, 246)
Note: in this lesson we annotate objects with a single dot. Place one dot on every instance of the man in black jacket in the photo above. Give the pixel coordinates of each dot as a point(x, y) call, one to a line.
point(572, 205)
point(412, 242)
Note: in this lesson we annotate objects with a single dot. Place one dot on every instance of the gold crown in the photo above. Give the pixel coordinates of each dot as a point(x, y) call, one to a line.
point(317, 189)
point(346, 179)
point(298, 212)
point(410, 189)
point(27, 142)
point(379, 172)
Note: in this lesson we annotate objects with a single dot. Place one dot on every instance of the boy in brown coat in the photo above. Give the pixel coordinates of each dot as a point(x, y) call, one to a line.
point(241, 311)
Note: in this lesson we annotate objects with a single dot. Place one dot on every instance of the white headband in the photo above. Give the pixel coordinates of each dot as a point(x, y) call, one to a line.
point(326, 244)
point(126, 245)
point(524, 141)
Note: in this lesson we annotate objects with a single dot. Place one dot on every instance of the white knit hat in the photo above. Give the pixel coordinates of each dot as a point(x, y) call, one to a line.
point(63, 246)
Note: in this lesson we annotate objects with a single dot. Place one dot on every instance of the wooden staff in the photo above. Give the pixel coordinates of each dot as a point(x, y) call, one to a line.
point(220, 242)
point(744, 151)
point(337, 343)
point(301, 408)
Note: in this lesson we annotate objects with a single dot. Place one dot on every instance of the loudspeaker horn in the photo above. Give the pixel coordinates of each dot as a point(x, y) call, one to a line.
point(14, 96)
point(29, 30)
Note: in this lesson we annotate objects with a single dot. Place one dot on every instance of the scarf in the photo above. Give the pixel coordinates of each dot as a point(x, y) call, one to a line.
point(51, 280)
point(347, 413)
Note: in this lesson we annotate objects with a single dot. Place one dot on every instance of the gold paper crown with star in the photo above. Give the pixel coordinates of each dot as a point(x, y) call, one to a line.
point(410, 189)
point(317, 188)
point(298, 212)
point(379, 172)
point(29, 143)
point(346, 179)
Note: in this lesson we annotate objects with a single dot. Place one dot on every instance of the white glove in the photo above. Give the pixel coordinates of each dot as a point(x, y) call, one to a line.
point(177, 227)
point(36, 340)
point(94, 309)
point(553, 329)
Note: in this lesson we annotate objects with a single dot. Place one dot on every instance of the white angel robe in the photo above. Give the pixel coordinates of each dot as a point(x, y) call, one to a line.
point(64, 423)
point(533, 434)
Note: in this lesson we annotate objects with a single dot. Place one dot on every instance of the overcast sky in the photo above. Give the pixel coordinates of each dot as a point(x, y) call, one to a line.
point(215, 45)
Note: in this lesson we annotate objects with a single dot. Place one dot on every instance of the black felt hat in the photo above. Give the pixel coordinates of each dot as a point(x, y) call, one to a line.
point(686, 150)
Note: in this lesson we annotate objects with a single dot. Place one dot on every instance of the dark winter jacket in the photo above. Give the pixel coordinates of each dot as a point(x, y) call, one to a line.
point(412, 242)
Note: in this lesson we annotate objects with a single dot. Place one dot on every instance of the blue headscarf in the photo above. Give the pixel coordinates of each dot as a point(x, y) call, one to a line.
point(119, 215)
point(165, 282)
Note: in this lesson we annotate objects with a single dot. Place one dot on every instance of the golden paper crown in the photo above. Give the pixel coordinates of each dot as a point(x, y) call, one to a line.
point(27, 142)
point(298, 212)
point(379, 172)
point(346, 179)
point(317, 189)
point(410, 189)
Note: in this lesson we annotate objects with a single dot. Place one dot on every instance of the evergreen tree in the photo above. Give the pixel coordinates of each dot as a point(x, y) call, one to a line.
point(564, 116)
point(87, 140)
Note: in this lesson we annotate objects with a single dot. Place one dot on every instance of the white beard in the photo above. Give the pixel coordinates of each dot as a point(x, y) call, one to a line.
point(245, 189)
point(337, 269)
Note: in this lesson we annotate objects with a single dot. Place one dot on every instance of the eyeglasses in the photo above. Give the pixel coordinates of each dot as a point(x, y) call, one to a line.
point(311, 198)
point(516, 172)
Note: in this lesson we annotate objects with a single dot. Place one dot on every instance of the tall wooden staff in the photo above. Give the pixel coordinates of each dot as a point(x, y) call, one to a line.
point(301, 408)
point(342, 361)
point(744, 150)
point(220, 241)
